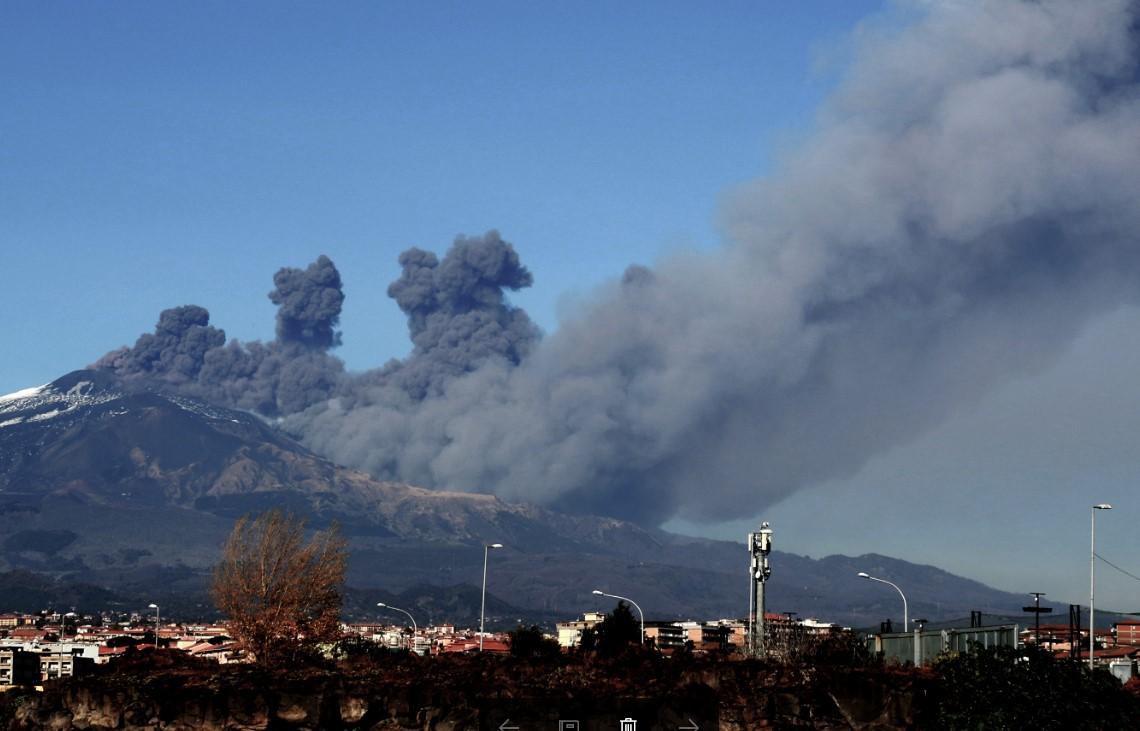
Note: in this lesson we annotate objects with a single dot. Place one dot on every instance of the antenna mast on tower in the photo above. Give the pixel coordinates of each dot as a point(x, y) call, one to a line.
point(759, 546)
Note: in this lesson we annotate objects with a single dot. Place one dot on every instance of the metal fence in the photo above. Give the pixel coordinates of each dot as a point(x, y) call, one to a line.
point(921, 647)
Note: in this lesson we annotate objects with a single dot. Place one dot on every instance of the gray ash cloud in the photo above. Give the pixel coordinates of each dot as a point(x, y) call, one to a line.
point(174, 352)
point(458, 318)
point(291, 373)
point(308, 304)
point(965, 204)
point(458, 315)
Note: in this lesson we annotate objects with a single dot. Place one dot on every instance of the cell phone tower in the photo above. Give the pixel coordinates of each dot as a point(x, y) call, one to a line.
point(759, 546)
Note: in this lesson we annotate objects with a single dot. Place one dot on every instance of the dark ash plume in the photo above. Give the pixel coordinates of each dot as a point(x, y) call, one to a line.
point(309, 302)
point(458, 316)
point(966, 204)
point(271, 379)
point(173, 352)
point(187, 354)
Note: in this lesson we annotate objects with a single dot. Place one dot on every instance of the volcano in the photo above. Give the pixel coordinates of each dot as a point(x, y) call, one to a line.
point(135, 490)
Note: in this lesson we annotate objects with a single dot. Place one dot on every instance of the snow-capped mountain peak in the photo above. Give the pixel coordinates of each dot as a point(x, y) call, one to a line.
point(40, 403)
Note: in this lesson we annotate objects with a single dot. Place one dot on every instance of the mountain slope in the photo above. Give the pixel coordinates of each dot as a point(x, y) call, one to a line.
point(85, 438)
point(137, 489)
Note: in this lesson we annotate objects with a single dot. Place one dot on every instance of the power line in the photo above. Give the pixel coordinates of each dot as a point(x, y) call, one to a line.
point(1110, 563)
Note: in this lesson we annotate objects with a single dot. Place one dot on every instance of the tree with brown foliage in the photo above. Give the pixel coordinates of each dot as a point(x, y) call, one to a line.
point(282, 595)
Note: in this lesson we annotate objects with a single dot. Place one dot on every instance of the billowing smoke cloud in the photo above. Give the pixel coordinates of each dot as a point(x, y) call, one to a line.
point(458, 316)
point(173, 352)
point(186, 353)
point(966, 203)
point(309, 302)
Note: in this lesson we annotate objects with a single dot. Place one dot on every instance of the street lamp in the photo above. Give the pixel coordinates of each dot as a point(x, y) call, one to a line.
point(599, 592)
point(1092, 577)
point(865, 575)
point(156, 620)
point(483, 606)
point(415, 630)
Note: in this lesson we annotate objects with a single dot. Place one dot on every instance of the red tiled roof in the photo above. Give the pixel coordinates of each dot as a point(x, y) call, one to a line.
point(1108, 652)
point(469, 645)
point(210, 649)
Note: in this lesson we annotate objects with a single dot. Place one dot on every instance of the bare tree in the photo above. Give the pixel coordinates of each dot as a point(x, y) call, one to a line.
point(281, 594)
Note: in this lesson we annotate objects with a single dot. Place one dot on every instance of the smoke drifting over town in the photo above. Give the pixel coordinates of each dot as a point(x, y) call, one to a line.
point(966, 203)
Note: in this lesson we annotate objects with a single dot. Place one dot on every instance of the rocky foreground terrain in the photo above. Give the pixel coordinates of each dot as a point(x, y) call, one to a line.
point(832, 685)
point(476, 692)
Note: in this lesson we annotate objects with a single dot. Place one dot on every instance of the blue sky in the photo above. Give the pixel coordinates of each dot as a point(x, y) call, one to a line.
point(153, 155)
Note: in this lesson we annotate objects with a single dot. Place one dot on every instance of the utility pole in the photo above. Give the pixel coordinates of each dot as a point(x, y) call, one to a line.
point(1037, 610)
point(759, 546)
point(1075, 631)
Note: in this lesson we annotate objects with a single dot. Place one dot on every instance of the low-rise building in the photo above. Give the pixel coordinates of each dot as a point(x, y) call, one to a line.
point(570, 633)
point(19, 667)
point(492, 645)
point(736, 631)
point(706, 636)
point(815, 626)
point(220, 652)
point(63, 665)
point(667, 636)
point(84, 649)
point(28, 634)
point(1055, 636)
point(11, 621)
point(1127, 632)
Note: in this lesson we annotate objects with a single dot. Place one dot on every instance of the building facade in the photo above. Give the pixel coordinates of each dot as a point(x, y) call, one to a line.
point(19, 667)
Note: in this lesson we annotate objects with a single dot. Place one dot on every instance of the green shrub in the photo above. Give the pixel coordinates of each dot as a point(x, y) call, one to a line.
point(1009, 688)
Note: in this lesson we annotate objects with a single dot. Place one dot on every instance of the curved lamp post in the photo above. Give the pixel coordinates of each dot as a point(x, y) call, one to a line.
point(156, 623)
point(599, 592)
point(483, 605)
point(415, 630)
point(1092, 576)
point(865, 575)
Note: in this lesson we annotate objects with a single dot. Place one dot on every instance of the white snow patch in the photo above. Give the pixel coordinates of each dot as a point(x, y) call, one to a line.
point(25, 393)
point(80, 389)
point(12, 422)
point(46, 415)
